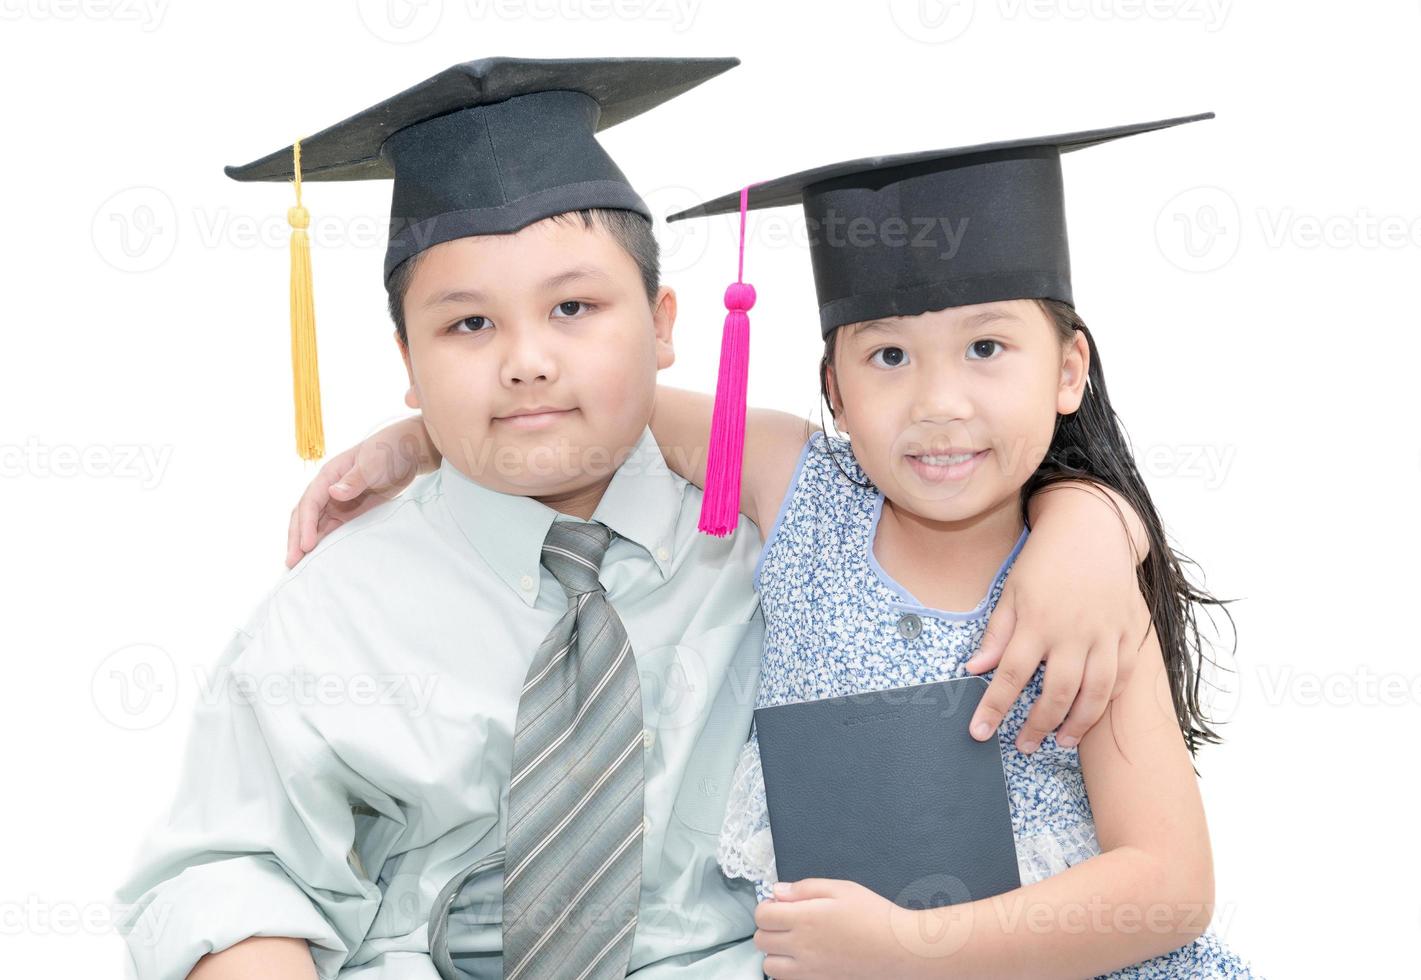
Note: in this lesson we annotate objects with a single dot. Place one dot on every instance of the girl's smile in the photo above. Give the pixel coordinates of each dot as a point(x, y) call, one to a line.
point(946, 467)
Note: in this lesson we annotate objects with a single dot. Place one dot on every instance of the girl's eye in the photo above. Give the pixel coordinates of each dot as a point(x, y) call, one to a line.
point(476, 324)
point(889, 356)
point(983, 349)
point(572, 308)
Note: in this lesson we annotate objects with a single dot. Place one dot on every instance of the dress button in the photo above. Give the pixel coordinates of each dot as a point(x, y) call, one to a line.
point(647, 737)
point(526, 583)
point(910, 626)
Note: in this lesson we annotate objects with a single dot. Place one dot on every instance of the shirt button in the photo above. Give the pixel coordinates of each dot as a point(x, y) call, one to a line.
point(910, 626)
point(648, 737)
point(646, 825)
point(526, 583)
point(662, 554)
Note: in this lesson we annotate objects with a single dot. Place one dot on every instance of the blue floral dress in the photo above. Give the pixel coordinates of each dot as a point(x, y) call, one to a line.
point(837, 624)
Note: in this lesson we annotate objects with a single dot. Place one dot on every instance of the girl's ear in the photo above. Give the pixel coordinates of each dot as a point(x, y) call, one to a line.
point(836, 406)
point(1075, 371)
point(412, 393)
point(663, 320)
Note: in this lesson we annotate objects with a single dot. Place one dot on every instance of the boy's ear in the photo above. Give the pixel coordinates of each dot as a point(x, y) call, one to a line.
point(663, 320)
point(1075, 370)
point(412, 394)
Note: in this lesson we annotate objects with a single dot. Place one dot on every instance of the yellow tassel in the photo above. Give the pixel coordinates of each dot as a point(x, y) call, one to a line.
point(306, 382)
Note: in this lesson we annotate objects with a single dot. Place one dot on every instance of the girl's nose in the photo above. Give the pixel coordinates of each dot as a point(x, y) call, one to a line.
point(941, 399)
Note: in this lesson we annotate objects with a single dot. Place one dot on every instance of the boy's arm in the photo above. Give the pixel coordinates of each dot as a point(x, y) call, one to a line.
point(681, 423)
point(1072, 599)
point(268, 957)
point(1065, 496)
point(1149, 891)
point(259, 839)
point(371, 472)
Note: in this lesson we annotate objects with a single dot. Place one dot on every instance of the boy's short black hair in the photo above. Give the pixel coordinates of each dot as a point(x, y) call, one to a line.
point(630, 230)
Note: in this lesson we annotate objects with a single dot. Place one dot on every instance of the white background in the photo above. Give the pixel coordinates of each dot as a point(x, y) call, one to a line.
point(1250, 281)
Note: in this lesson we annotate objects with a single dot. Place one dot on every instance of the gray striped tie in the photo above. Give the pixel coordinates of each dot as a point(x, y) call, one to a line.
point(572, 870)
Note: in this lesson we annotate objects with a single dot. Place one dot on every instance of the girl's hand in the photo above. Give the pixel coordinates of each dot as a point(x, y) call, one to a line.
point(359, 479)
point(1072, 599)
point(829, 929)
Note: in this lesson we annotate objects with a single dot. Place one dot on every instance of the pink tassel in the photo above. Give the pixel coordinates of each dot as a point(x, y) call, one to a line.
point(720, 506)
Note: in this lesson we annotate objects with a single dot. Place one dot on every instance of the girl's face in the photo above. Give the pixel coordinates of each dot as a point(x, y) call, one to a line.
point(951, 411)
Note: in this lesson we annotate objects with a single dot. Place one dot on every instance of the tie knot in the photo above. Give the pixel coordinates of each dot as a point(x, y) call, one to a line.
point(573, 553)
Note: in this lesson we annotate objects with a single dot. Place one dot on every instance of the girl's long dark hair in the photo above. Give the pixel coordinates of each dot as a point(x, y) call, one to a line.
point(1090, 444)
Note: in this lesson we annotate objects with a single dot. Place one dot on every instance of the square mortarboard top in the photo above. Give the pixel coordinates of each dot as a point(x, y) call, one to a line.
point(482, 148)
point(901, 235)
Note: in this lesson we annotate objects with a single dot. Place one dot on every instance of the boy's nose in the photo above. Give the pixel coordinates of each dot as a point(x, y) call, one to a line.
point(530, 359)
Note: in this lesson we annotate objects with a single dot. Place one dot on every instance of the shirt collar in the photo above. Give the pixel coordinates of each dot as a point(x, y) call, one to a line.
point(642, 504)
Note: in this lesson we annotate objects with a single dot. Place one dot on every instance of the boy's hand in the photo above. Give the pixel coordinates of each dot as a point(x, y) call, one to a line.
point(1071, 599)
point(362, 477)
point(829, 929)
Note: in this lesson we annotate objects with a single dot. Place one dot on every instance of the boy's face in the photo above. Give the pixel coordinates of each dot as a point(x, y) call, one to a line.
point(533, 356)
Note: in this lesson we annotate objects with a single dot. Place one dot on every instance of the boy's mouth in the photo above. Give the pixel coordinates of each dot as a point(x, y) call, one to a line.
point(537, 417)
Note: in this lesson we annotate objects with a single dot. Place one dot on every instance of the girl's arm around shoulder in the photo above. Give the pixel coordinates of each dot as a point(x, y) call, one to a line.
point(681, 422)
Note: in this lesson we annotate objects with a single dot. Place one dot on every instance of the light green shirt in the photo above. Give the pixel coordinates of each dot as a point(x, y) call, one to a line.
point(358, 755)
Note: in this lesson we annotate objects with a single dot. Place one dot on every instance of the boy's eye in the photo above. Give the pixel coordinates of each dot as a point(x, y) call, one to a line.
point(476, 324)
point(889, 356)
point(983, 349)
point(571, 307)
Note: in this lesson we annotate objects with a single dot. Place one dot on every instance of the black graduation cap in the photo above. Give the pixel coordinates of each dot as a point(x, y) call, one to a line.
point(901, 235)
point(482, 148)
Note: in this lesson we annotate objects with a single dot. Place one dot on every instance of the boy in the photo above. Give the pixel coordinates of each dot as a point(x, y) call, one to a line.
point(532, 675)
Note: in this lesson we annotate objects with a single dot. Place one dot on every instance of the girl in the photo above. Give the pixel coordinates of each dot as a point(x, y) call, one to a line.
point(965, 383)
